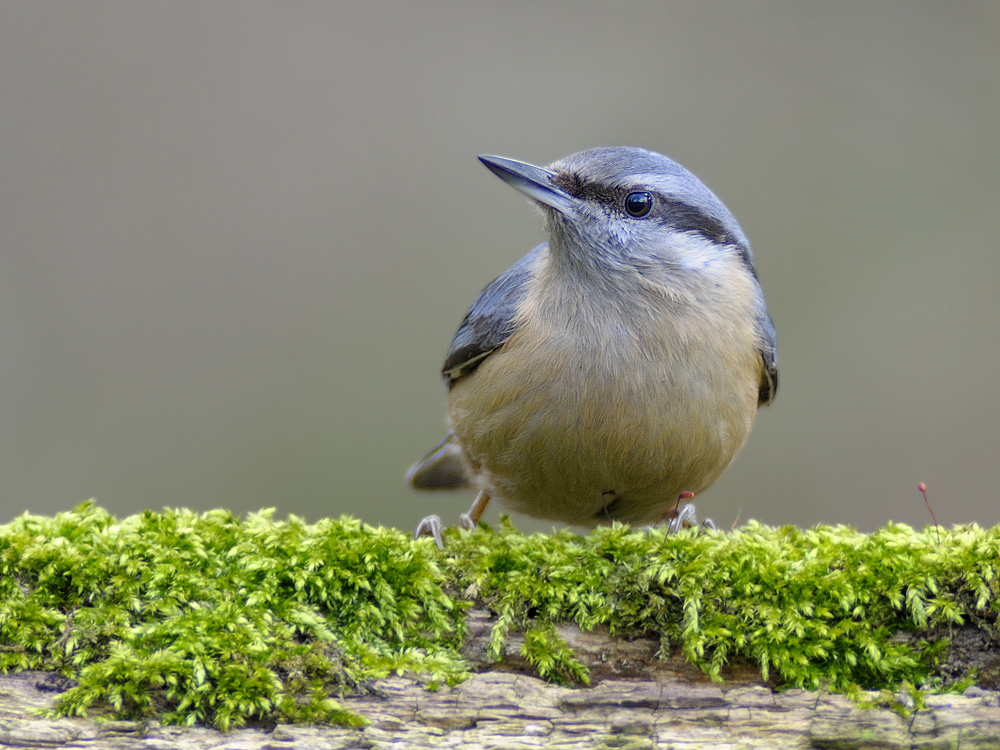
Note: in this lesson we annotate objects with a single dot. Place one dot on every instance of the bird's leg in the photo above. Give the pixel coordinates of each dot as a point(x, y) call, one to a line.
point(683, 516)
point(470, 519)
point(432, 526)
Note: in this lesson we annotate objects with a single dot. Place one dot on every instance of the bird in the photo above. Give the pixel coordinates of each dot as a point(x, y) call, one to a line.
point(616, 370)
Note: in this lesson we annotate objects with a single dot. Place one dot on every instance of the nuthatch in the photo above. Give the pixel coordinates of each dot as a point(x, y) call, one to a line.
point(616, 369)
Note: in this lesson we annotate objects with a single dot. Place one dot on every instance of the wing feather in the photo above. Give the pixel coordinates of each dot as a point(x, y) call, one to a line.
point(491, 319)
point(768, 353)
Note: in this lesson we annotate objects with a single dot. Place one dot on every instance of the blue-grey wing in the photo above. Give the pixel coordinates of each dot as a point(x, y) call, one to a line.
point(768, 352)
point(491, 319)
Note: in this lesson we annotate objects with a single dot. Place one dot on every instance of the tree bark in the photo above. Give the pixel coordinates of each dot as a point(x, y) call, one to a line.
point(634, 701)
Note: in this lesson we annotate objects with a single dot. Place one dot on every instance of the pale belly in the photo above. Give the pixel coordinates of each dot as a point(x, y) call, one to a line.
point(554, 436)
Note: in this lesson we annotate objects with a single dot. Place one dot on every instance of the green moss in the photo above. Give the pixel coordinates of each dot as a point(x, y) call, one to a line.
point(810, 607)
point(207, 618)
point(204, 618)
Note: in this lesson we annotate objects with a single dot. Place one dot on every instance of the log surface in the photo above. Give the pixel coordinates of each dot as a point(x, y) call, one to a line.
point(635, 701)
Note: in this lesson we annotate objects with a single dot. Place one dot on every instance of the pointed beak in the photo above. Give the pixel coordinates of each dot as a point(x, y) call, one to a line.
point(534, 182)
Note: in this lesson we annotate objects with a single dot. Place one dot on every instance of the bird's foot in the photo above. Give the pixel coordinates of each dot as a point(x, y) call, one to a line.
point(432, 526)
point(684, 516)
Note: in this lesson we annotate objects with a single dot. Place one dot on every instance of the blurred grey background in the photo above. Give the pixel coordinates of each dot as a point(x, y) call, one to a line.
point(236, 238)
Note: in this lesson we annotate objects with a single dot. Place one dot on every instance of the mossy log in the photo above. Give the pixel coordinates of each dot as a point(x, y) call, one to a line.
point(636, 700)
point(179, 629)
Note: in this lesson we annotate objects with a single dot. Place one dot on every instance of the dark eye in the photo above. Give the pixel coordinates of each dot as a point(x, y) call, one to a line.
point(638, 204)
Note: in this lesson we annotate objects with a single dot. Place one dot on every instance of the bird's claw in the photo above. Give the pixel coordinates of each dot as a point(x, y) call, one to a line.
point(431, 526)
point(684, 516)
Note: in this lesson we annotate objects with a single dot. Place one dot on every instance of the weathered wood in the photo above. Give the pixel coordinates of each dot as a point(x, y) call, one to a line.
point(511, 710)
point(635, 701)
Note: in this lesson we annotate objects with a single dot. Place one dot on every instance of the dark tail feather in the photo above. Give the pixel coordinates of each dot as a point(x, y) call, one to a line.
point(441, 469)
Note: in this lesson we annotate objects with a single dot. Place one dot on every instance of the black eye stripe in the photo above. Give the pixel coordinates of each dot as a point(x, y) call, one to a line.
point(687, 218)
point(683, 217)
